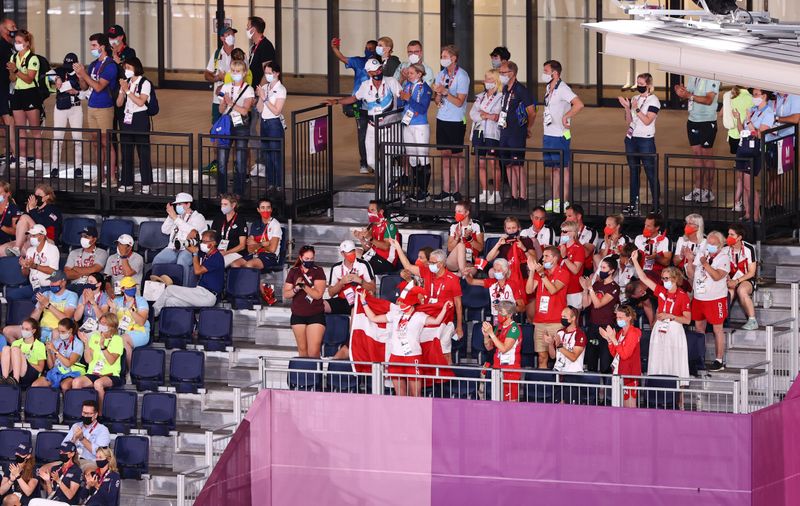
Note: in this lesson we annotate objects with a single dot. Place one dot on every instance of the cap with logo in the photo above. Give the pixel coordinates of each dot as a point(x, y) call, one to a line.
point(24, 448)
point(57, 276)
point(37, 229)
point(115, 31)
point(90, 231)
point(125, 239)
point(67, 447)
point(69, 60)
point(225, 29)
point(372, 65)
point(347, 246)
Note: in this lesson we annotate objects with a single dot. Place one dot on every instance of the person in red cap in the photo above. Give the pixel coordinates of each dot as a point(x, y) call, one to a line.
point(405, 325)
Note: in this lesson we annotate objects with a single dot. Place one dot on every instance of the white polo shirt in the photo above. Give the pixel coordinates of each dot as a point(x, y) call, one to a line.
point(704, 286)
point(650, 103)
point(221, 63)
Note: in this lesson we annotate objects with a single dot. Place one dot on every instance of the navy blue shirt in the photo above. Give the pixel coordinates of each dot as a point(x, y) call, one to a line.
point(214, 278)
point(514, 103)
point(108, 493)
point(6, 219)
point(48, 216)
point(72, 475)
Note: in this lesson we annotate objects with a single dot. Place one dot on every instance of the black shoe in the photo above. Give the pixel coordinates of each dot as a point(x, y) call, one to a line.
point(717, 366)
point(457, 197)
point(78, 173)
point(418, 197)
point(631, 210)
point(54, 173)
point(11, 381)
point(443, 197)
point(521, 203)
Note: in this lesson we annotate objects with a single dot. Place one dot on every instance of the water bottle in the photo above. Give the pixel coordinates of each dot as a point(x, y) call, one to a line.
point(767, 299)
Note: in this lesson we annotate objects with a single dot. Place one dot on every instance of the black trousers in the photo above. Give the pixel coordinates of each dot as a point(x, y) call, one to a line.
point(130, 139)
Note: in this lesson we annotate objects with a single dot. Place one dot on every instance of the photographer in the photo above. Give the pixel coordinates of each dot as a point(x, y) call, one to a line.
point(305, 286)
point(515, 249)
point(183, 224)
point(208, 264)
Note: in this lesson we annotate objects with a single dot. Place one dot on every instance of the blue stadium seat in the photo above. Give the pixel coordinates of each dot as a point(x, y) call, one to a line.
point(111, 229)
point(9, 440)
point(341, 377)
point(187, 370)
point(10, 402)
point(660, 399)
point(418, 241)
point(174, 271)
point(175, 326)
point(132, 454)
point(389, 287)
point(466, 388)
point(47, 445)
point(71, 231)
point(73, 402)
point(215, 328)
point(479, 351)
point(41, 407)
point(337, 333)
point(476, 302)
point(305, 374)
point(119, 411)
point(159, 413)
point(147, 368)
point(151, 240)
point(281, 254)
point(528, 352)
point(17, 310)
point(546, 391)
point(15, 285)
point(242, 288)
point(488, 245)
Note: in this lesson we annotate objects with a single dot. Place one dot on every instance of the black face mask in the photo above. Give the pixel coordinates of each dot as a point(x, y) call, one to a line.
point(378, 76)
point(515, 234)
point(39, 201)
point(308, 264)
point(20, 459)
point(603, 275)
point(63, 456)
point(641, 89)
point(101, 463)
point(564, 322)
point(87, 420)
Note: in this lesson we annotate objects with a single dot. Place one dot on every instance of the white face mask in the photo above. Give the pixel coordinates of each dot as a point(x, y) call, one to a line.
point(18, 47)
point(129, 74)
point(237, 78)
point(434, 268)
point(496, 63)
point(504, 80)
point(204, 247)
point(490, 86)
point(413, 59)
point(546, 78)
point(26, 334)
point(34, 241)
point(102, 328)
point(269, 77)
point(114, 42)
point(757, 101)
point(86, 242)
point(230, 40)
point(446, 62)
point(380, 50)
point(250, 33)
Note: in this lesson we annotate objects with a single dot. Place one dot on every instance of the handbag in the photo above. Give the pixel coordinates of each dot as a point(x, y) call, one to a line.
point(224, 125)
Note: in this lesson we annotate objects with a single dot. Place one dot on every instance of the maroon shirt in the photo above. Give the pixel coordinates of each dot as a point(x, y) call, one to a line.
point(605, 315)
point(300, 302)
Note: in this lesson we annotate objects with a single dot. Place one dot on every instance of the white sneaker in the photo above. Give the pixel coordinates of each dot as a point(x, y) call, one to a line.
point(32, 173)
point(363, 170)
point(483, 197)
point(563, 206)
point(738, 207)
point(19, 162)
point(548, 206)
point(145, 189)
point(494, 198)
point(38, 165)
point(259, 170)
point(710, 197)
point(123, 189)
point(705, 196)
point(694, 196)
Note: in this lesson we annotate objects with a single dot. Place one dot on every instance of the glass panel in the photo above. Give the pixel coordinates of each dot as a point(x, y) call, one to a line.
point(490, 7)
point(188, 20)
point(488, 35)
point(140, 20)
point(431, 37)
point(50, 39)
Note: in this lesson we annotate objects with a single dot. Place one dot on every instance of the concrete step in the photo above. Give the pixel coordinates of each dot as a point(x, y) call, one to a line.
point(764, 316)
point(350, 214)
point(352, 199)
point(787, 273)
point(136, 500)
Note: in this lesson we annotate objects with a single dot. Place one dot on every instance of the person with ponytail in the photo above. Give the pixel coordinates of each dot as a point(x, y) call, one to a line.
point(62, 483)
point(305, 286)
point(64, 352)
point(20, 478)
point(104, 482)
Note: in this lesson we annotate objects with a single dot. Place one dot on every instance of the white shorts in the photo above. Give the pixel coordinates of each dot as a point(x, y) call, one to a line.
point(417, 134)
point(575, 300)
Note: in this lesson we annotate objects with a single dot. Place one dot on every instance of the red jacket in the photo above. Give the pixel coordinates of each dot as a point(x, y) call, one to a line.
point(630, 360)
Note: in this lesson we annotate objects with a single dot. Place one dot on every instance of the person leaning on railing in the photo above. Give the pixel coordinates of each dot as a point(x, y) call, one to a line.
point(485, 137)
point(624, 346)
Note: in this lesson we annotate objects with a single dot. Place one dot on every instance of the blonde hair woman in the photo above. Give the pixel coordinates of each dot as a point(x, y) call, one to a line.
point(237, 101)
point(693, 237)
point(104, 482)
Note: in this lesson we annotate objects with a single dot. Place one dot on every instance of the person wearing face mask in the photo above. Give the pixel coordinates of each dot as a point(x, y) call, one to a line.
point(693, 238)
point(88, 435)
point(40, 260)
point(305, 286)
point(613, 240)
point(103, 351)
point(465, 242)
point(218, 66)
point(231, 227)
point(760, 118)
point(654, 246)
point(85, 260)
point(451, 88)
point(270, 103)
point(573, 259)
point(261, 49)
point(641, 112)
point(539, 231)
point(743, 273)
point(560, 106)
point(134, 94)
point(345, 278)
point(263, 240)
point(237, 100)
point(587, 236)
point(486, 137)
point(377, 250)
point(499, 56)
point(23, 361)
point(93, 302)
point(515, 250)
point(506, 338)
point(63, 482)
point(120, 50)
point(104, 482)
point(357, 109)
point(567, 346)
point(708, 268)
point(8, 30)
point(102, 78)
point(21, 480)
point(500, 287)
point(132, 311)
point(9, 216)
point(547, 292)
point(378, 95)
point(624, 346)
point(182, 223)
point(124, 262)
point(40, 209)
point(64, 352)
point(405, 325)
point(415, 98)
point(26, 103)
point(67, 111)
point(53, 303)
point(601, 294)
point(384, 51)
point(411, 270)
point(739, 99)
point(415, 56)
point(208, 264)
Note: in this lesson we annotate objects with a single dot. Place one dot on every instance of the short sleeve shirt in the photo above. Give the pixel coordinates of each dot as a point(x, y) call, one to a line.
point(360, 268)
point(7, 217)
point(49, 256)
point(701, 87)
point(219, 62)
point(230, 232)
point(29, 62)
point(125, 314)
point(658, 245)
point(570, 340)
point(99, 365)
point(605, 315)
point(33, 352)
point(262, 232)
point(234, 90)
point(107, 70)
point(575, 253)
point(498, 294)
point(545, 235)
point(275, 92)
point(385, 229)
point(88, 311)
point(515, 101)
point(114, 267)
point(456, 84)
point(440, 289)
point(704, 287)
point(50, 218)
point(741, 260)
point(66, 348)
point(303, 305)
point(405, 332)
point(378, 99)
point(67, 300)
point(764, 117)
point(684, 242)
point(85, 258)
point(556, 104)
point(549, 306)
point(73, 474)
point(356, 64)
point(473, 227)
point(646, 105)
point(140, 87)
point(675, 303)
point(213, 279)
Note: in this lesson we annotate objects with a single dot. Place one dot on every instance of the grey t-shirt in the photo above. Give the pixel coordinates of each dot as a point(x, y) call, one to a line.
point(83, 258)
point(114, 267)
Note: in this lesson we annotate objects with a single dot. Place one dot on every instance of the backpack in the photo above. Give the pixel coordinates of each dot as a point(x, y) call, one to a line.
point(42, 85)
point(152, 100)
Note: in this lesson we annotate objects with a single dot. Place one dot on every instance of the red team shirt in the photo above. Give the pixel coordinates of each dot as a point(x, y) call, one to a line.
point(575, 253)
point(440, 290)
point(672, 303)
point(549, 306)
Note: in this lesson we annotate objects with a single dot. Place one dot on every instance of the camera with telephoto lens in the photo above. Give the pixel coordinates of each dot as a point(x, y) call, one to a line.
point(188, 243)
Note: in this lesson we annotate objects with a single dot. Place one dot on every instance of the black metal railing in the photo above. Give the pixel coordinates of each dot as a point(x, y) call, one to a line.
point(312, 160)
point(780, 183)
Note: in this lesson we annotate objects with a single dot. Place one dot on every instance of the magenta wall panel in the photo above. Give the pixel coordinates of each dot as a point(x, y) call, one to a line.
point(776, 453)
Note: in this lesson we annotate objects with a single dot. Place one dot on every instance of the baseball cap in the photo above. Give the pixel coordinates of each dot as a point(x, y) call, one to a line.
point(115, 31)
point(347, 246)
point(90, 231)
point(37, 229)
point(67, 446)
point(127, 282)
point(125, 239)
point(409, 295)
point(70, 59)
point(57, 276)
point(182, 198)
point(224, 29)
point(24, 448)
point(372, 65)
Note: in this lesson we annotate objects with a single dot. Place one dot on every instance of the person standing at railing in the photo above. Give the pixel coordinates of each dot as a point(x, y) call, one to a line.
point(601, 294)
point(737, 99)
point(701, 127)
point(416, 98)
point(218, 66)
point(271, 99)
point(641, 112)
point(547, 292)
point(624, 346)
point(567, 346)
point(506, 338)
point(515, 121)
point(134, 94)
point(451, 88)
point(237, 100)
point(8, 28)
point(693, 238)
point(743, 278)
point(485, 137)
point(415, 56)
point(67, 111)
point(26, 103)
point(760, 118)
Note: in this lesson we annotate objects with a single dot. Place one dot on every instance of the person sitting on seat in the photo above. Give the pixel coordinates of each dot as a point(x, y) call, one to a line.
point(24, 360)
point(50, 308)
point(93, 302)
point(263, 241)
point(231, 228)
point(39, 210)
point(209, 265)
point(345, 278)
point(41, 259)
point(124, 262)
point(88, 435)
point(131, 310)
point(182, 225)
point(103, 350)
point(9, 215)
point(63, 483)
point(85, 260)
point(64, 352)
point(21, 480)
point(377, 250)
point(104, 483)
